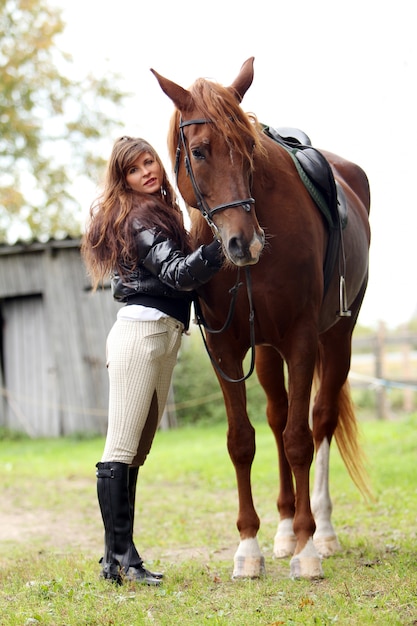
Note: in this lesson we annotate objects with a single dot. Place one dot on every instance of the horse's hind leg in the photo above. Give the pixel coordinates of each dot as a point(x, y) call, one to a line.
point(270, 371)
point(333, 369)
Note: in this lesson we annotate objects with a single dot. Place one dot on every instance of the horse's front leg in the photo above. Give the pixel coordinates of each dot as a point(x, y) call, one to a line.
point(299, 449)
point(270, 371)
point(248, 560)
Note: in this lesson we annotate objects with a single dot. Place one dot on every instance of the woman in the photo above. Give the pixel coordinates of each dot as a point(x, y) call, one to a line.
point(136, 236)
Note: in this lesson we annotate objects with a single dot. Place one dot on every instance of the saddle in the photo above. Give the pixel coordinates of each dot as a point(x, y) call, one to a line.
point(315, 172)
point(317, 176)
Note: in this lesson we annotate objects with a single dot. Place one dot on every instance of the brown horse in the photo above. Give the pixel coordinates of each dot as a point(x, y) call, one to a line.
point(247, 191)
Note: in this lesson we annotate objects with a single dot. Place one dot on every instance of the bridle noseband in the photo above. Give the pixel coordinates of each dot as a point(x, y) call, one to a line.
point(202, 205)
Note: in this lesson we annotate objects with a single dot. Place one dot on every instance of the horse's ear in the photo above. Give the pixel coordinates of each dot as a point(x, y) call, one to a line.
point(244, 80)
point(179, 96)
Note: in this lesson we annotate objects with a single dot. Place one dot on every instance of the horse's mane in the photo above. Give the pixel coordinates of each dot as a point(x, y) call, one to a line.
point(219, 104)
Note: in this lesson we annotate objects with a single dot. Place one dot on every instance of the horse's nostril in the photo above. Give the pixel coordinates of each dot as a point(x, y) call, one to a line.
point(237, 249)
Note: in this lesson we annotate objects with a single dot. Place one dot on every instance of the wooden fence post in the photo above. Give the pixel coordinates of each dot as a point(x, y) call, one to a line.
point(408, 392)
point(381, 398)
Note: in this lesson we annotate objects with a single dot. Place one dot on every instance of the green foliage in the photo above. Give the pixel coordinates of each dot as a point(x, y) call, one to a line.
point(364, 398)
point(11, 435)
point(363, 331)
point(51, 124)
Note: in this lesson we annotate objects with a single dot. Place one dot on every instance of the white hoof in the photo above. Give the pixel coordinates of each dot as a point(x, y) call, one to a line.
point(284, 546)
point(248, 567)
point(327, 546)
point(285, 540)
point(249, 562)
point(307, 563)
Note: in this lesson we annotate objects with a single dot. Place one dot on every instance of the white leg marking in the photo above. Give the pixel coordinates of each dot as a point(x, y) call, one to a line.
point(249, 561)
point(321, 505)
point(285, 540)
point(307, 563)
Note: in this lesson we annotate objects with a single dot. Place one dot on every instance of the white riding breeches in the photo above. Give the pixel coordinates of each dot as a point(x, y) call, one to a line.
point(141, 356)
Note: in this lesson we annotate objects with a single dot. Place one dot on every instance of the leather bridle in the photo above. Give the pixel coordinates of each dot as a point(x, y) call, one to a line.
point(202, 205)
point(208, 213)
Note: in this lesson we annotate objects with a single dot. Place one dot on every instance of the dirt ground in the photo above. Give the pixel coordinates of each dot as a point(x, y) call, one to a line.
point(54, 528)
point(67, 529)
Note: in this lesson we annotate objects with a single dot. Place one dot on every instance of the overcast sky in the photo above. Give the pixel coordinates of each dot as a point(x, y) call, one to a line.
point(344, 72)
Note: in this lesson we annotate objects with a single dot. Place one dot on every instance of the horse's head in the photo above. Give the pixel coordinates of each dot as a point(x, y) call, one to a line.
point(212, 143)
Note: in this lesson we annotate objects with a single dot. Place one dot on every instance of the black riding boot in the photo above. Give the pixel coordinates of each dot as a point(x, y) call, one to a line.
point(131, 483)
point(133, 479)
point(121, 559)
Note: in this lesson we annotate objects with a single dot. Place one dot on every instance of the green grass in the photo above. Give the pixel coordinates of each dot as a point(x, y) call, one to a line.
point(51, 536)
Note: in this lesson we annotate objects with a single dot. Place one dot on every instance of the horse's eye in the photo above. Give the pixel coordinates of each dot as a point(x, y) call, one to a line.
point(197, 154)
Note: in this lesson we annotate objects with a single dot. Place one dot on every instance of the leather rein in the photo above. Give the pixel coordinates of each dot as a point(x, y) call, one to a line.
point(208, 213)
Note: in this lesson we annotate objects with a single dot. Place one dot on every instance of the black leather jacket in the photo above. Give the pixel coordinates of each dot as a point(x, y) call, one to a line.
point(165, 277)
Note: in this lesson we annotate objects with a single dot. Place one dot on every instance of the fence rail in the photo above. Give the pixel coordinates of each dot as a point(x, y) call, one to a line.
point(383, 362)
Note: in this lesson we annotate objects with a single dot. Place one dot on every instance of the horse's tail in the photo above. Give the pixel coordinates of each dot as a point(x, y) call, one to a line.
point(347, 439)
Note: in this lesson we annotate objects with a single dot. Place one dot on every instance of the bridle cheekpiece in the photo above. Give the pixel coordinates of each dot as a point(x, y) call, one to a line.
point(202, 205)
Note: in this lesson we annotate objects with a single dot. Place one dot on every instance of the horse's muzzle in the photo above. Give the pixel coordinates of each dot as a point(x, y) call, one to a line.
point(242, 253)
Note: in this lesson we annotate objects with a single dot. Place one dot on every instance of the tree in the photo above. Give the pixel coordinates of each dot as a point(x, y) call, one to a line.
point(51, 125)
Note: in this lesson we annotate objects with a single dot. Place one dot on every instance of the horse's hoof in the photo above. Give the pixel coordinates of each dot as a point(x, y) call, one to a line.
point(306, 563)
point(306, 567)
point(248, 567)
point(248, 560)
point(285, 539)
point(327, 546)
point(284, 546)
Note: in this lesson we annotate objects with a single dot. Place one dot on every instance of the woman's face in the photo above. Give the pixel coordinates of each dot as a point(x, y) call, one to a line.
point(145, 174)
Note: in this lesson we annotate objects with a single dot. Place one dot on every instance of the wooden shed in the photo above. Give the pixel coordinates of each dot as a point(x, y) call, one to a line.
point(53, 375)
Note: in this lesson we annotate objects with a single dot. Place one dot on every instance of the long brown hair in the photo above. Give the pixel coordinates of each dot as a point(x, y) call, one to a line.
point(108, 244)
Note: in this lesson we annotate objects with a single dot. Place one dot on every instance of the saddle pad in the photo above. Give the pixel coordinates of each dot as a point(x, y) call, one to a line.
point(315, 173)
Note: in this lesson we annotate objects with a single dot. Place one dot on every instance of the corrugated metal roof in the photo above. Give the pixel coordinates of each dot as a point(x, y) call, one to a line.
point(36, 246)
